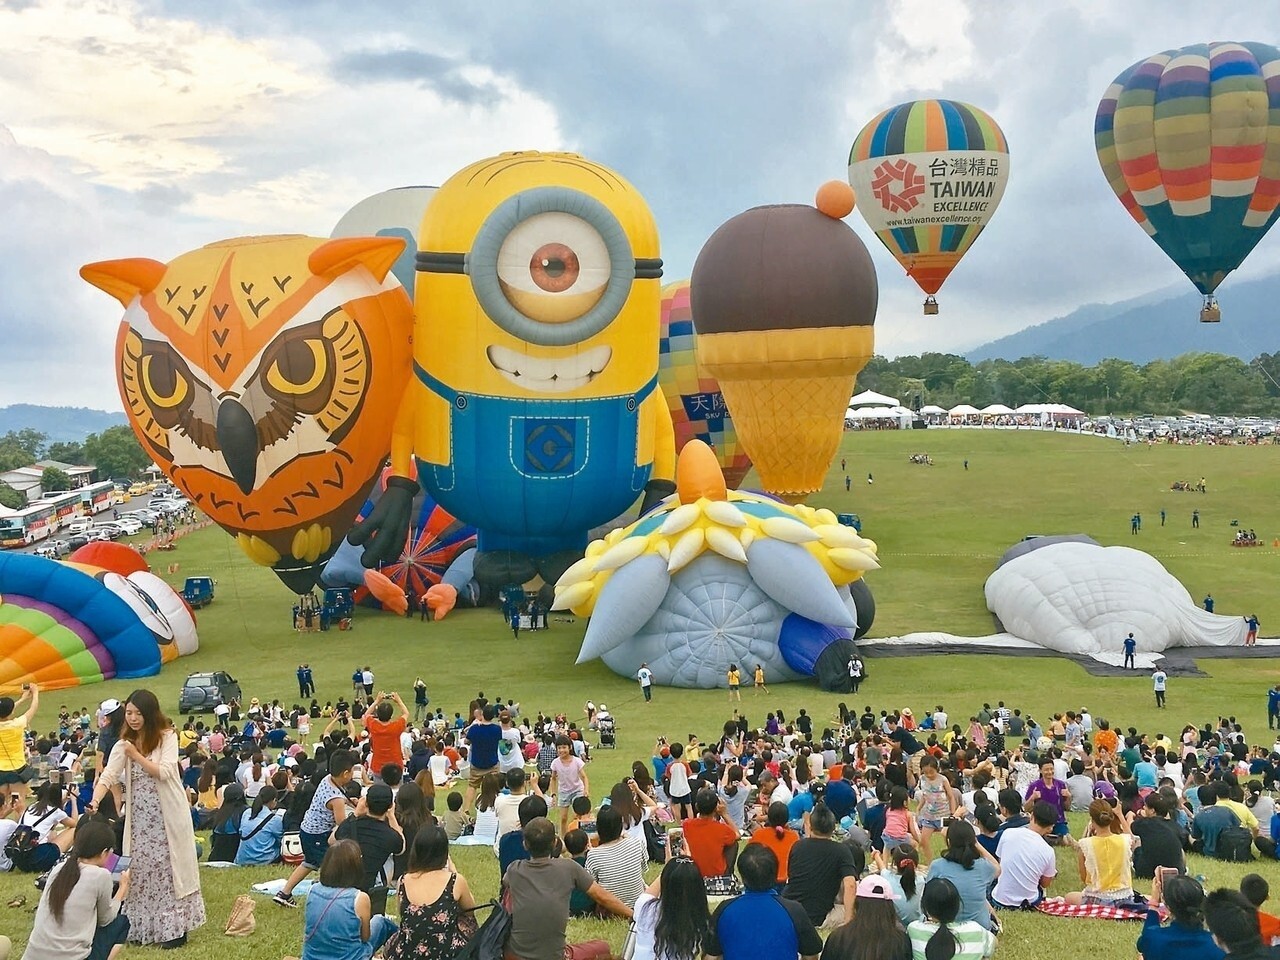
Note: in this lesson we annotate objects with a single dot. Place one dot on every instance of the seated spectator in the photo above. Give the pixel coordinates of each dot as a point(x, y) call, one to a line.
point(941, 934)
point(672, 918)
point(434, 902)
point(1159, 844)
point(224, 842)
point(712, 842)
point(1210, 820)
point(1185, 938)
point(1103, 857)
point(53, 829)
point(261, 830)
point(376, 832)
point(821, 874)
point(1027, 862)
point(759, 923)
point(1233, 921)
point(455, 820)
point(617, 862)
point(338, 920)
point(1256, 890)
point(540, 888)
point(778, 837)
point(970, 870)
point(576, 845)
point(511, 845)
point(876, 931)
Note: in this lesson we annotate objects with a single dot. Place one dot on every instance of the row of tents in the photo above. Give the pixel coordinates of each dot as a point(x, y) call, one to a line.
point(870, 405)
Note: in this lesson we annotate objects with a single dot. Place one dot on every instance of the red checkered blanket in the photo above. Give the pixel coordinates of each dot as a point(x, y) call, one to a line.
point(1058, 907)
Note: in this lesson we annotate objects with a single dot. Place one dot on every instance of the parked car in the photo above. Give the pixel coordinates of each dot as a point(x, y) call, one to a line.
point(111, 529)
point(77, 540)
point(53, 549)
point(203, 691)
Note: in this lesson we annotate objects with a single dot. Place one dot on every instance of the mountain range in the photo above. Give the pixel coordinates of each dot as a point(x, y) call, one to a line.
point(58, 424)
point(1159, 325)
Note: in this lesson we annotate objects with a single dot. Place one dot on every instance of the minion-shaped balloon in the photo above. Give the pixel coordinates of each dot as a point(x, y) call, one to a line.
point(534, 412)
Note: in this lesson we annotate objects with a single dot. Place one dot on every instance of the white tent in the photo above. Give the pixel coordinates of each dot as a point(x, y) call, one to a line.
point(869, 398)
point(932, 410)
point(872, 413)
point(964, 410)
point(996, 410)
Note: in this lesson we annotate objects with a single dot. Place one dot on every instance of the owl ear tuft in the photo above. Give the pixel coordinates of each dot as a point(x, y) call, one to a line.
point(376, 254)
point(125, 279)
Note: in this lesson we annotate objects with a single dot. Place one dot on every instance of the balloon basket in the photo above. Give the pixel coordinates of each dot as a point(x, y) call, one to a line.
point(1210, 312)
point(930, 307)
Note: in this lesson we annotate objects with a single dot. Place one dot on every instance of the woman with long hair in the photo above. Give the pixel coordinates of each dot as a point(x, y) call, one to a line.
point(970, 869)
point(224, 841)
point(435, 901)
point(207, 799)
point(1185, 936)
point(486, 827)
point(255, 776)
point(671, 916)
point(338, 921)
point(261, 829)
point(427, 787)
point(1103, 856)
point(164, 902)
point(735, 795)
point(875, 932)
point(635, 807)
point(54, 829)
point(778, 837)
point(942, 935)
point(412, 813)
point(78, 916)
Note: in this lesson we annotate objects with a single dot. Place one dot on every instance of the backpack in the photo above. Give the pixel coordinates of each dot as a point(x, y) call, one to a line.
point(1235, 844)
point(23, 841)
point(655, 839)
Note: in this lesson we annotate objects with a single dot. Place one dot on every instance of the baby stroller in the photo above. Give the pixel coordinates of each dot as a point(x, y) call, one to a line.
point(608, 731)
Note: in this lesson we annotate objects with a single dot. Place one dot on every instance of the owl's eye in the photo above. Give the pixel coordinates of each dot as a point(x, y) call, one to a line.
point(165, 377)
point(299, 367)
point(554, 267)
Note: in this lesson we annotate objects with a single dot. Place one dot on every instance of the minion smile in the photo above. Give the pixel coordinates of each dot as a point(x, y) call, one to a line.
point(559, 375)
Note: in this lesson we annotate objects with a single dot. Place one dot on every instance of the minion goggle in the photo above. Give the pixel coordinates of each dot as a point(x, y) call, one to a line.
point(550, 266)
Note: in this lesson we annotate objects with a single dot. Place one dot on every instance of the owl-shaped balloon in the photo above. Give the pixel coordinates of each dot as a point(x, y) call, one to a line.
point(262, 374)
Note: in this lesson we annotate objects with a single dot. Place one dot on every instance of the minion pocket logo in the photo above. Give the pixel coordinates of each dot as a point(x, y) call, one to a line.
point(549, 448)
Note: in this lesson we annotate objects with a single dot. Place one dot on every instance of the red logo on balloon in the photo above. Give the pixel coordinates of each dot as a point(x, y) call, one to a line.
point(897, 185)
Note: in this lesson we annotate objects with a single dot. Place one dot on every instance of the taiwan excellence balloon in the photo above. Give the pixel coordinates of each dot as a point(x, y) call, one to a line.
point(391, 213)
point(1189, 140)
point(62, 627)
point(698, 409)
point(262, 375)
point(785, 301)
point(535, 412)
point(928, 175)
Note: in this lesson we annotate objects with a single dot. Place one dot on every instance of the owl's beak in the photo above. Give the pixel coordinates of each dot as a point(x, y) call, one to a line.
point(238, 438)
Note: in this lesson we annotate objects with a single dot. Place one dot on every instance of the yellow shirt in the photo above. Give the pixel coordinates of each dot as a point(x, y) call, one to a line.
point(1246, 816)
point(1106, 862)
point(185, 739)
point(734, 677)
point(759, 675)
point(13, 754)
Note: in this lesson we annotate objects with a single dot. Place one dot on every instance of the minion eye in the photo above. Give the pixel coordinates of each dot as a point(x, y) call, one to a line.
point(554, 267)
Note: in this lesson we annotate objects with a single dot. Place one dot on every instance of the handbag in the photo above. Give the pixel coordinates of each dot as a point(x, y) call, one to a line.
point(588, 950)
point(490, 940)
point(241, 922)
point(291, 848)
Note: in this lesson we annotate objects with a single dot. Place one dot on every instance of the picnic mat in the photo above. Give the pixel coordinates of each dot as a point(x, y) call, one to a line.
point(1058, 907)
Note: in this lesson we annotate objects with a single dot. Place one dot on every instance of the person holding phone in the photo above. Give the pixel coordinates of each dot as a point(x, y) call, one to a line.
point(78, 917)
point(14, 771)
point(1103, 856)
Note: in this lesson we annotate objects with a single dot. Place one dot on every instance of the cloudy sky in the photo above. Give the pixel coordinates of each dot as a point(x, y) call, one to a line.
point(134, 128)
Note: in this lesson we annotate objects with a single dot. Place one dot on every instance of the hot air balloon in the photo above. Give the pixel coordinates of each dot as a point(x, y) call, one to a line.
point(391, 213)
point(928, 175)
point(697, 406)
point(785, 299)
point(1189, 140)
point(262, 375)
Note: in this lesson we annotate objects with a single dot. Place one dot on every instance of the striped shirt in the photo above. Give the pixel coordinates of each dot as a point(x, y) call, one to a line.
point(974, 942)
point(619, 867)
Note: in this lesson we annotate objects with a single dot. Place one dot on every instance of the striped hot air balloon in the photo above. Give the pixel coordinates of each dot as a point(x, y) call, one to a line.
point(698, 408)
point(928, 175)
point(1189, 140)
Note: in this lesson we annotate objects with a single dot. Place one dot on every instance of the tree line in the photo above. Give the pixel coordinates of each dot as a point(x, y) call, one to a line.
point(115, 452)
point(1210, 383)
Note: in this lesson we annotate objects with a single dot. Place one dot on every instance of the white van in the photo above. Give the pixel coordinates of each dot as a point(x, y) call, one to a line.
point(79, 526)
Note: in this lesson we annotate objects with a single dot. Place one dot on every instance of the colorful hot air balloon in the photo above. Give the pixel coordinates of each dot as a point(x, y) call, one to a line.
point(697, 406)
point(262, 375)
point(391, 213)
point(1189, 140)
point(785, 298)
point(928, 175)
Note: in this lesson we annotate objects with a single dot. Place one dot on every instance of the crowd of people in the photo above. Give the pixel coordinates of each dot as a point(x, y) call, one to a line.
point(871, 827)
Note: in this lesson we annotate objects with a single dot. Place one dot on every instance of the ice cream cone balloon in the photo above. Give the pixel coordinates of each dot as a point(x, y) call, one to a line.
point(785, 298)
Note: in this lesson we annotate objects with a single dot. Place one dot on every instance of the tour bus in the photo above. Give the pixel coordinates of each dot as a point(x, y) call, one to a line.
point(37, 520)
point(96, 497)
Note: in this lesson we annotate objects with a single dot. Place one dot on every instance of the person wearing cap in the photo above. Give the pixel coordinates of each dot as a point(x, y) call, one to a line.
point(875, 921)
point(760, 924)
point(110, 722)
point(375, 829)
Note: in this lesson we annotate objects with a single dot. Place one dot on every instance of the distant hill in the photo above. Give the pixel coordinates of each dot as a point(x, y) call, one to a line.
point(58, 424)
point(1159, 325)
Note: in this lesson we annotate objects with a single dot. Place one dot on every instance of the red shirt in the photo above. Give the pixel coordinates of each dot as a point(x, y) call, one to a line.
point(1270, 927)
point(706, 840)
point(385, 738)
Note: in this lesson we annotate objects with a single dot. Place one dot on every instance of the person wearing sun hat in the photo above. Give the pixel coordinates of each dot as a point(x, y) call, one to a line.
point(875, 921)
point(110, 722)
point(908, 721)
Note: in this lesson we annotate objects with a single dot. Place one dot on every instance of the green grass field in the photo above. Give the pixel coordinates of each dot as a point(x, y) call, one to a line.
point(940, 530)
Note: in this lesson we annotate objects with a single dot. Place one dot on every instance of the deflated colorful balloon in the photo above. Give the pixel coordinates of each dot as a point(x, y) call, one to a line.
point(262, 375)
point(61, 627)
point(697, 405)
point(928, 175)
point(1189, 140)
point(785, 301)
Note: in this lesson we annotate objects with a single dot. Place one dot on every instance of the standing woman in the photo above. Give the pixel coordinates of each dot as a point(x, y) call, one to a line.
point(78, 917)
point(14, 772)
point(164, 902)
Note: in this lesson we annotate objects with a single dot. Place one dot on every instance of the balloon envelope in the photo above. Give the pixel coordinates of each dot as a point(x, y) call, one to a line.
point(698, 408)
point(391, 213)
point(928, 175)
point(1189, 140)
